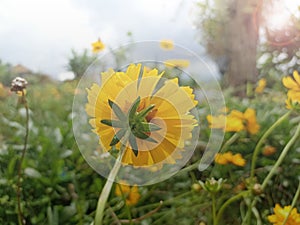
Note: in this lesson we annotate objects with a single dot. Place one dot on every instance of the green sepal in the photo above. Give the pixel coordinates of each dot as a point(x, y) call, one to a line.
point(117, 137)
point(134, 147)
point(134, 108)
point(150, 127)
point(114, 123)
point(145, 111)
point(144, 136)
point(117, 110)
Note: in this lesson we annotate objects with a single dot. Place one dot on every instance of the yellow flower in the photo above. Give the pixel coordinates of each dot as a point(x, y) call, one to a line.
point(293, 84)
point(3, 91)
point(98, 46)
point(177, 63)
point(261, 86)
point(154, 102)
point(224, 158)
point(268, 150)
point(238, 160)
point(251, 124)
point(280, 215)
point(228, 157)
point(131, 194)
point(166, 44)
point(235, 121)
point(216, 122)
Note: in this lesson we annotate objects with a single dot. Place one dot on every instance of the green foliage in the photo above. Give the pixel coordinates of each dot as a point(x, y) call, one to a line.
point(59, 187)
point(79, 62)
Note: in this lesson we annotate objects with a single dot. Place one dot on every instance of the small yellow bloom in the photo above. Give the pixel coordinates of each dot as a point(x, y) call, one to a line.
point(3, 91)
point(268, 150)
point(224, 158)
point(261, 86)
point(293, 84)
point(234, 123)
point(238, 160)
point(216, 122)
point(228, 157)
point(280, 215)
point(251, 123)
point(177, 63)
point(166, 44)
point(98, 46)
point(131, 194)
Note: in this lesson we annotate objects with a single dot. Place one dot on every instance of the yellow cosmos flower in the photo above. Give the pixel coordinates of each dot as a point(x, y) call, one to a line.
point(251, 123)
point(238, 160)
point(293, 84)
point(228, 157)
point(131, 194)
point(235, 121)
point(216, 122)
point(261, 86)
point(155, 110)
point(280, 215)
point(177, 63)
point(98, 46)
point(224, 158)
point(166, 44)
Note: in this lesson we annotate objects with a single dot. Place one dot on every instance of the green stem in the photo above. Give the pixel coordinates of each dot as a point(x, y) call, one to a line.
point(261, 141)
point(110, 180)
point(230, 141)
point(281, 157)
point(214, 211)
point(20, 214)
point(228, 202)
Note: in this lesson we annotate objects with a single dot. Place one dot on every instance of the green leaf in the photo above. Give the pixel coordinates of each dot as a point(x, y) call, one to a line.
point(117, 110)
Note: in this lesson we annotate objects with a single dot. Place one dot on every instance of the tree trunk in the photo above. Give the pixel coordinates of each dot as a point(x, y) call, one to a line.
point(242, 45)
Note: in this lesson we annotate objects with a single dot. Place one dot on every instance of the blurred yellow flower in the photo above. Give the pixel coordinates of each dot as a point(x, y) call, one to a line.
point(167, 108)
point(268, 150)
point(131, 194)
point(166, 44)
point(280, 215)
point(261, 86)
point(3, 91)
point(238, 160)
point(177, 63)
point(228, 157)
point(235, 121)
point(98, 46)
point(293, 84)
point(223, 158)
point(251, 124)
point(216, 122)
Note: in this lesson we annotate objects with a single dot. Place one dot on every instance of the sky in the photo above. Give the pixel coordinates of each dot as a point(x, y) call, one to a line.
point(40, 34)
